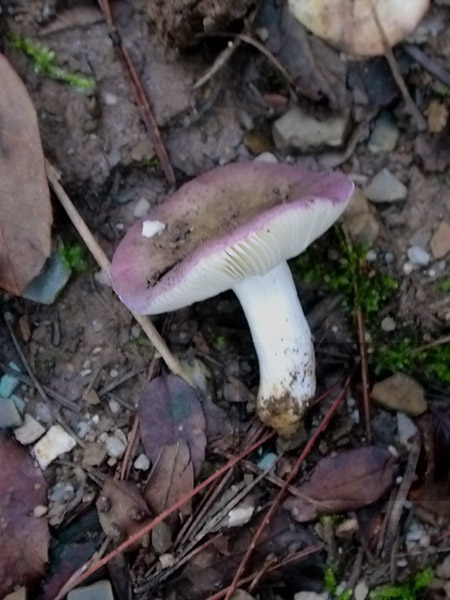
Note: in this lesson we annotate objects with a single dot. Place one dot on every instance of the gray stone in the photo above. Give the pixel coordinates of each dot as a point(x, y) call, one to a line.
point(402, 393)
point(161, 538)
point(418, 256)
point(61, 492)
point(141, 463)
point(101, 590)
point(46, 286)
point(93, 455)
point(361, 590)
point(385, 187)
point(115, 448)
point(9, 415)
point(406, 429)
point(440, 242)
point(29, 432)
point(388, 324)
point(309, 596)
point(141, 209)
point(297, 129)
point(385, 134)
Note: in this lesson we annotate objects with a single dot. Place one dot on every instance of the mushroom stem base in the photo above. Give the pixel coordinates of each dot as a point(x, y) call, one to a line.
point(284, 347)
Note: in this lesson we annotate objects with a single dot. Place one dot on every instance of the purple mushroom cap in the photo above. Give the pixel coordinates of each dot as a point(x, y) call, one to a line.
point(231, 223)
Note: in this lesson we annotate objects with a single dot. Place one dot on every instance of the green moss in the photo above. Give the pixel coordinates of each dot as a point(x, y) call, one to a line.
point(365, 288)
point(350, 275)
point(409, 590)
point(444, 285)
point(44, 62)
point(73, 257)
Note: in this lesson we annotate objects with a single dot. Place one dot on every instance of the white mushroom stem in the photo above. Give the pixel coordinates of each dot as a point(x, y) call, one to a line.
point(284, 347)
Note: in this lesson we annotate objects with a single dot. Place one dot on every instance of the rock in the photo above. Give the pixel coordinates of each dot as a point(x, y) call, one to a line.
point(443, 569)
point(114, 406)
point(161, 537)
point(54, 443)
point(309, 596)
point(267, 157)
point(101, 590)
point(61, 492)
point(141, 209)
point(9, 415)
point(361, 590)
point(440, 242)
point(402, 393)
point(8, 383)
point(29, 432)
point(20, 594)
point(266, 461)
point(418, 256)
point(385, 187)
point(437, 116)
point(388, 324)
point(357, 203)
point(363, 228)
point(93, 455)
point(240, 515)
point(384, 135)
point(241, 595)
point(297, 129)
point(406, 429)
point(102, 277)
point(115, 448)
point(141, 463)
point(46, 286)
point(257, 142)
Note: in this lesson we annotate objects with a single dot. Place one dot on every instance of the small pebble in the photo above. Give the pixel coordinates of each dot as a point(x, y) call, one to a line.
point(402, 393)
point(418, 256)
point(53, 444)
point(371, 256)
point(9, 383)
point(408, 268)
point(113, 373)
point(167, 560)
point(240, 516)
point(385, 134)
point(102, 278)
point(141, 463)
point(361, 590)
point(29, 432)
point(114, 406)
point(100, 590)
point(266, 157)
point(402, 562)
point(440, 242)
point(9, 415)
point(389, 258)
point(141, 208)
point(61, 492)
point(40, 510)
point(115, 448)
point(406, 429)
point(388, 324)
point(385, 187)
point(267, 460)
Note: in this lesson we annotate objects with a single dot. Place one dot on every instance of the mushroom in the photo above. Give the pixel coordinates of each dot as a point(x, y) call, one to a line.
point(351, 25)
point(234, 228)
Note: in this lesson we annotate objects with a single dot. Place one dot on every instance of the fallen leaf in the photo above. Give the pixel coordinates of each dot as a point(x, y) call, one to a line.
point(433, 151)
point(219, 430)
point(171, 478)
point(348, 481)
point(122, 510)
point(26, 214)
point(170, 412)
point(23, 537)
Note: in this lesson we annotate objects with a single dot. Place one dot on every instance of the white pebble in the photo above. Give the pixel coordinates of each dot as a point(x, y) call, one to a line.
point(371, 256)
point(361, 590)
point(408, 268)
point(114, 406)
point(54, 443)
point(418, 256)
point(141, 463)
point(152, 228)
point(141, 209)
point(115, 447)
point(388, 324)
point(266, 157)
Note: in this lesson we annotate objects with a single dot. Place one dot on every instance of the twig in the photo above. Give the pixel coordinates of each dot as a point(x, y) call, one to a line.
point(403, 490)
point(220, 61)
point(51, 393)
point(252, 42)
point(155, 338)
point(281, 493)
point(442, 340)
point(364, 373)
point(149, 526)
point(140, 95)
point(112, 385)
point(413, 110)
point(428, 63)
point(24, 361)
point(286, 561)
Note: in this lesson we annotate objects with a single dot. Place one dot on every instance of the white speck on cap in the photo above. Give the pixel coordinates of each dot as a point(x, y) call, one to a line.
point(152, 228)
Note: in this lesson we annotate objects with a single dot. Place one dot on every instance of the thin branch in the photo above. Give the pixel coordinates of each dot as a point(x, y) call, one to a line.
point(140, 95)
point(149, 526)
point(102, 260)
point(282, 492)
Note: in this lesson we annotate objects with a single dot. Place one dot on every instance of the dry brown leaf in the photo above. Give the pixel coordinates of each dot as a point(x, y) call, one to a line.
point(172, 477)
point(26, 213)
point(348, 481)
point(121, 509)
point(23, 537)
point(170, 412)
